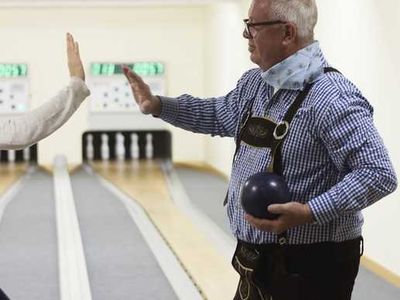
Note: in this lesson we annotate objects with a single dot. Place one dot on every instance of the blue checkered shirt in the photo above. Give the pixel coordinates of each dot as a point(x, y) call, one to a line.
point(333, 157)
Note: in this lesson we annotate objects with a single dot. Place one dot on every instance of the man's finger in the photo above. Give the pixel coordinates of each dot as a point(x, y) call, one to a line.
point(127, 75)
point(275, 226)
point(133, 77)
point(71, 40)
point(262, 224)
point(278, 208)
point(77, 48)
point(126, 71)
point(69, 46)
point(137, 90)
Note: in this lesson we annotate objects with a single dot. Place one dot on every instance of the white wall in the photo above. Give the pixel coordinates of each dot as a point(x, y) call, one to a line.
point(226, 52)
point(360, 38)
point(173, 35)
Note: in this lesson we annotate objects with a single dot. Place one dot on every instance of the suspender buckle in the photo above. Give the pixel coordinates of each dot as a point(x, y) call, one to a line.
point(281, 129)
point(282, 240)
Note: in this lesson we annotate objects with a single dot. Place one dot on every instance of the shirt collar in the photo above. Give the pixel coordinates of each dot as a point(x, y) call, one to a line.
point(296, 71)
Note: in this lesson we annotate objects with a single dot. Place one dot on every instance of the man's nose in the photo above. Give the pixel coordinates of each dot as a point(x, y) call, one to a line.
point(246, 34)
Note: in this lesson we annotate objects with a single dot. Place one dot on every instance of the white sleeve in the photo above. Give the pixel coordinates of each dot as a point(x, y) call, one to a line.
point(22, 131)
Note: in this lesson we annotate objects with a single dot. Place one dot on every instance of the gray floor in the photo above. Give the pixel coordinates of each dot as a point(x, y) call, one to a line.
point(120, 264)
point(28, 242)
point(207, 192)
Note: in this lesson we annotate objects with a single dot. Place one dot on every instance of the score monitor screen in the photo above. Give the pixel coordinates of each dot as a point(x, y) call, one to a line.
point(140, 68)
point(111, 92)
point(13, 70)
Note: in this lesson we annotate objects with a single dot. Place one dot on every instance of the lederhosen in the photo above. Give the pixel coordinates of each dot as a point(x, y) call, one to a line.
point(268, 271)
point(3, 296)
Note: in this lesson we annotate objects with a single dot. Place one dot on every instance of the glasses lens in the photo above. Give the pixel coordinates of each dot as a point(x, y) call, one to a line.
point(247, 29)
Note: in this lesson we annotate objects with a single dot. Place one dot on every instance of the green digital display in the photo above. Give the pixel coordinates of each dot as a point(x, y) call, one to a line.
point(140, 68)
point(13, 70)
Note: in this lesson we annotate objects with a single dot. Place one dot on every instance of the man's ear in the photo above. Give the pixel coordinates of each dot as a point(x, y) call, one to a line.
point(290, 33)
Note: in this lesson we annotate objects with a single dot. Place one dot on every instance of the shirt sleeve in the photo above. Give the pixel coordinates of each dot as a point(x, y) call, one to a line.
point(358, 152)
point(215, 116)
point(21, 131)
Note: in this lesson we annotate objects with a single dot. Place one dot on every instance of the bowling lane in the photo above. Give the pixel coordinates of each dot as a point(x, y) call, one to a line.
point(145, 182)
point(28, 238)
point(9, 174)
point(206, 189)
point(119, 262)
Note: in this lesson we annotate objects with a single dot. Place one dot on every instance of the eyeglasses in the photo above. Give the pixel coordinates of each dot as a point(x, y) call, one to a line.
point(250, 28)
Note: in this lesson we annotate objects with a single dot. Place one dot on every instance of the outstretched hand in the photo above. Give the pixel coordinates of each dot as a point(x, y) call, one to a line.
point(74, 60)
point(148, 103)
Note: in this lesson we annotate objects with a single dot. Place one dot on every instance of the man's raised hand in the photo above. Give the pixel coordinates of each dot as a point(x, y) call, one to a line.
point(75, 65)
point(148, 103)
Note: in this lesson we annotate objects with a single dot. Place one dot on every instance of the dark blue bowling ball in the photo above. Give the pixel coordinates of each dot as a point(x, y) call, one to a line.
point(262, 189)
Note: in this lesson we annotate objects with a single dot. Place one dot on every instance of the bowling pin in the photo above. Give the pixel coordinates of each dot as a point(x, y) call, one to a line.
point(89, 147)
point(11, 155)
point(120, 146)
point(104, 149)
point(134, 146)
point(26, 154)
point(149, 146)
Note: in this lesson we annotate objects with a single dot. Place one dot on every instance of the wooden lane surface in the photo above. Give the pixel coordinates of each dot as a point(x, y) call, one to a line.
point(144, 181)
point(9, 174)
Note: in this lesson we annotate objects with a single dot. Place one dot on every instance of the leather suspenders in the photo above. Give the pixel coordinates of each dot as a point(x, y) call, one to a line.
point(275, 134)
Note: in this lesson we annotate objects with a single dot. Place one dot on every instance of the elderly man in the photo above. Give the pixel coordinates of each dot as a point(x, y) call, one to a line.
point(324, 144)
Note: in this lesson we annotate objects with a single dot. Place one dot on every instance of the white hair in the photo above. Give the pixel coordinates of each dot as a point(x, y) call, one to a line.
point(303, 13)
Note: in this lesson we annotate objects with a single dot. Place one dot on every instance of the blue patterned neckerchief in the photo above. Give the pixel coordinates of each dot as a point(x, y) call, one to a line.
point(299, 69)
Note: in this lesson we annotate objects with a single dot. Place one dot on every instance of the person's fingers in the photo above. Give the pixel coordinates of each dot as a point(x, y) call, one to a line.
point(131, 77)
point(139, 93)
point(130, 80)
point(70, 41)
point(69, 46)
point(140, 89)
point(134, 78)
point(126, 71)
point(72, 46)
point(278, 208)
point(259, 223)
point(275, 226)
point(77, 48)
point(74, 61)
point(125, 68)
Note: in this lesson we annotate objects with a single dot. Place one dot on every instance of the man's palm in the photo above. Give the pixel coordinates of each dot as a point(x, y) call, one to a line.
point(148, 103)
point(74, 60)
